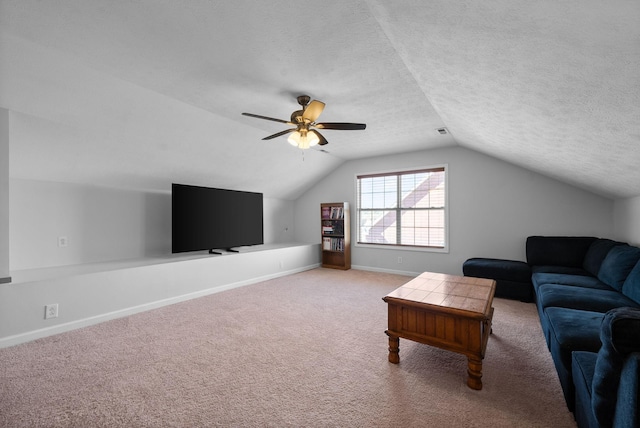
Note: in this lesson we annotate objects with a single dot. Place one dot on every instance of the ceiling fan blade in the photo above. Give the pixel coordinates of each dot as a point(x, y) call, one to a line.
point(267, 118)
point(341, 125)
point(323, 140)
point(279, 134)
point(313, 110)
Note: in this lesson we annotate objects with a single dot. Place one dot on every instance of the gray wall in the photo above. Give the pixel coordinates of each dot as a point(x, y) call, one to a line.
point(493, 207)
point(627, 220)
point(103, 224)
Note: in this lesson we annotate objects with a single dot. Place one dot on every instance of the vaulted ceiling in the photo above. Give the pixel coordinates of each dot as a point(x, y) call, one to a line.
point(142, 93)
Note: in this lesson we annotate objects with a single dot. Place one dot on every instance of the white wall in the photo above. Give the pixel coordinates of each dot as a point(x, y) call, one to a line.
point(118, 260)
point(102, 224)
point(114, 290)
point(493, 207)
point(4, 195)
point(627, 220)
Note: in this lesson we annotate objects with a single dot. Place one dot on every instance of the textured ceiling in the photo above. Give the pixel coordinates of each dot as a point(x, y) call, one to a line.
point(148, 92)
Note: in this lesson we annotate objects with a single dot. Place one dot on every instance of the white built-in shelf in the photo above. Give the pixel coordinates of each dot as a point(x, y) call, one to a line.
point(55, 272)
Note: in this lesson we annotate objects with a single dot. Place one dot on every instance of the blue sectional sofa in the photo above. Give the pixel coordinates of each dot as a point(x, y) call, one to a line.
point(587, 293)
point(581, 286)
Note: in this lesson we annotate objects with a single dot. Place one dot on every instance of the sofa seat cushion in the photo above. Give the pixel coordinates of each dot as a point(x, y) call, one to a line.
point(618, 264)
point(588, 299)
point(568, 270)
point(571, 330)
point(575, 329)
point(631, 286)
point(583, 366)
point(596, 254)
point(539, 279)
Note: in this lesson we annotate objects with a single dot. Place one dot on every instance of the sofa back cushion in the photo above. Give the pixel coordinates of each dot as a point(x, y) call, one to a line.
point(557, 250)
point(618, 264)
point(596, 253)
point(631, 286)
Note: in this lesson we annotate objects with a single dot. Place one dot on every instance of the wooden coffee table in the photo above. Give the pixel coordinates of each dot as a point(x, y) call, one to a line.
point(447, 311)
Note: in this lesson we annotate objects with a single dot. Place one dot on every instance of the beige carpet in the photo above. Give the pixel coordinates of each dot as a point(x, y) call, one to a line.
point(302, 350)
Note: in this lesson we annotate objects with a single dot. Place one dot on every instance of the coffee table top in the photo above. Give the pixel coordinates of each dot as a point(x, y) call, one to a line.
point(452, 292)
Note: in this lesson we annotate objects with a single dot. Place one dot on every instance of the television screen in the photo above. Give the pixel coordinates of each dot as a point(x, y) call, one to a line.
point(205, 218)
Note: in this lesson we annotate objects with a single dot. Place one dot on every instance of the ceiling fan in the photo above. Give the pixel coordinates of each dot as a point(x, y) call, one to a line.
point(303, 135)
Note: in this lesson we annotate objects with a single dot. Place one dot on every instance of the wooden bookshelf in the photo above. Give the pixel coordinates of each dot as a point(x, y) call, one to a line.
point(335, 235)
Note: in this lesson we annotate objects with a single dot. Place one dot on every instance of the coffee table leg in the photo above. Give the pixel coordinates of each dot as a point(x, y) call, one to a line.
point(475, 373)
point(394, 348)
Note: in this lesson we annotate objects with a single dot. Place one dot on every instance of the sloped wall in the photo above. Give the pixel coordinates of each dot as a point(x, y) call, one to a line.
point(627, 220)
point(103, 224)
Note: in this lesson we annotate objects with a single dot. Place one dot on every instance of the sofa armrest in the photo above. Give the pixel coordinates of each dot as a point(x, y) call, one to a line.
point(628, 406)
point(620, 337)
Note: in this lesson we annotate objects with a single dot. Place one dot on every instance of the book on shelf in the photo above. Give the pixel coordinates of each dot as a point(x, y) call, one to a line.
point(326, 244)
point(333, 244)
point(332, 227)
point(336, 213)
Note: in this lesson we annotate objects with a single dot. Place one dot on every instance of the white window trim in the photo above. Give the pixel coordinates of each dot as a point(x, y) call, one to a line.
point(444, 249)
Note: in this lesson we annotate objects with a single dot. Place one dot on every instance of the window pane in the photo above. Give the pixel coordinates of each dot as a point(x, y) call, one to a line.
point(377, 227)
point(436, 184)
point(391, 192)
point(422, 218)
point(422, 237)
point(366, 200)
point(436, 218)
point(378, 192)
point(377, 184)
point(436, 237)
point(409, 185)
point(390, 235)
point(407, 236)
point(390, 184)
point(366, 185)
point(408, 219)
point(391, 199)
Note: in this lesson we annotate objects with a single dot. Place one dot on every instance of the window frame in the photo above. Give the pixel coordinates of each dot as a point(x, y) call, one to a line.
point(398, 172)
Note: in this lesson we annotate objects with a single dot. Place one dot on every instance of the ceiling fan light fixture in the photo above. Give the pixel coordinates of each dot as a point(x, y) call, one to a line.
point(303, 140)
point(303, 136)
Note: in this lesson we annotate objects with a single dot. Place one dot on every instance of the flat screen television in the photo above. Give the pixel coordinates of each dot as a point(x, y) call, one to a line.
point(206, 218)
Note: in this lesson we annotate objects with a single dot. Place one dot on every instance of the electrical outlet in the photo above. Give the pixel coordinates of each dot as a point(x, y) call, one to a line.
point(62, 241)
point(399, 260)
point(51, 311)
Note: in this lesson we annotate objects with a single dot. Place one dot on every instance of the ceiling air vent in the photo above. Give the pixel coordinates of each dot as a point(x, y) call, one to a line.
point(442, 131)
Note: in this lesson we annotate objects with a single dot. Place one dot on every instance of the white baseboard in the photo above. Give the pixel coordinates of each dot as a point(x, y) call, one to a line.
point(397, 272)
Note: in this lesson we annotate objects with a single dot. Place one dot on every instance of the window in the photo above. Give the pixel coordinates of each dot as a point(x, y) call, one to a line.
point(406, 208)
